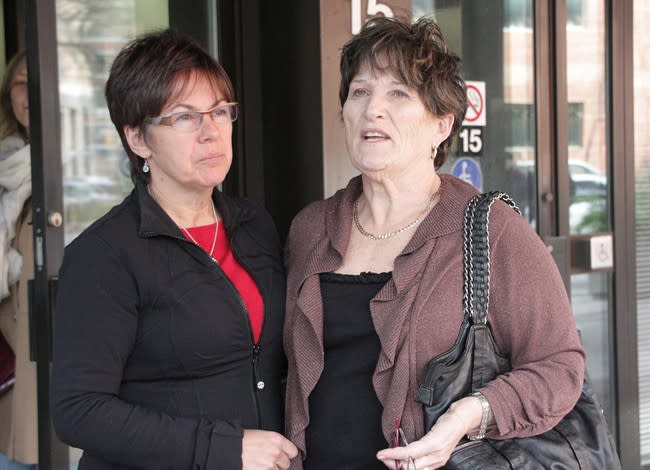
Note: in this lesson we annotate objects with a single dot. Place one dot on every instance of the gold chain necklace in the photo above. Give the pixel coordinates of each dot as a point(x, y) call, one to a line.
point(383, 236)
point(214, 238)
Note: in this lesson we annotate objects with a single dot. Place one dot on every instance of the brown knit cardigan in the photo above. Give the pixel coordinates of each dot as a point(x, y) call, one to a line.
point(417, 315)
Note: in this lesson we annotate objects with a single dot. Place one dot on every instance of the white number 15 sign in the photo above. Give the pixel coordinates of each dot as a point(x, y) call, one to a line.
point(373, 9)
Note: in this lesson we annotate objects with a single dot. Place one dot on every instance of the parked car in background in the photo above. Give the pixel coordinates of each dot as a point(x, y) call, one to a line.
point(588, 191)
point(586, 180)
point(85, 199)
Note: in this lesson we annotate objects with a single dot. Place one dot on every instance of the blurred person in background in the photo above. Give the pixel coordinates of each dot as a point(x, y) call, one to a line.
point(18, 411)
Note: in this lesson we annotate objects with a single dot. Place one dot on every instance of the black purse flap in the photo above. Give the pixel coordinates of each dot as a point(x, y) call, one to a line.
point(452, 375)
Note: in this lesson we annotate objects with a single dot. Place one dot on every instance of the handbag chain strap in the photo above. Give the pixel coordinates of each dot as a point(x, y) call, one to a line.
point(476, 254)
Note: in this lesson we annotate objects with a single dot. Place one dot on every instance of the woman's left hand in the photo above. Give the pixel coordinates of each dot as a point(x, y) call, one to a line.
point(436, 446)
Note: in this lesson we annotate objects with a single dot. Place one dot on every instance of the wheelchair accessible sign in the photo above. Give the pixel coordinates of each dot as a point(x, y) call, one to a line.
point(468, 170)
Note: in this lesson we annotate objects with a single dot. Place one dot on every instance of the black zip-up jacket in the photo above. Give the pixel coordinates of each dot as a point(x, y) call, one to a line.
point(154, 363)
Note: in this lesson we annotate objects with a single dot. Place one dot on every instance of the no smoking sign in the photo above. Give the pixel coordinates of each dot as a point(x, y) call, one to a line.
point(475, 115)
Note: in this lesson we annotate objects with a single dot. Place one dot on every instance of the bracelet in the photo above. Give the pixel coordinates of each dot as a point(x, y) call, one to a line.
point(485, 406)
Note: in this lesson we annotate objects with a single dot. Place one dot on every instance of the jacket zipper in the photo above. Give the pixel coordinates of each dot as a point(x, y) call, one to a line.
point(257, 383)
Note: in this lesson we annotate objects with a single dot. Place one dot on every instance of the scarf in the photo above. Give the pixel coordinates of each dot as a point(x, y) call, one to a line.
point(15, 189)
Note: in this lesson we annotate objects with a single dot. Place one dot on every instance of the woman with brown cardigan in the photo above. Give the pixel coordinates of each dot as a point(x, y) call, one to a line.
point(375, 277)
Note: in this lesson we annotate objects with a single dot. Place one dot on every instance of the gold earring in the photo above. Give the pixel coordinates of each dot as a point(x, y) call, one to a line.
point(434, 152)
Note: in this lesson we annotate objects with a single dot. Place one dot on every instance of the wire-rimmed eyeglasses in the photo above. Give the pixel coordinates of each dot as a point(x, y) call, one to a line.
point(399, 439)
point(190, 121)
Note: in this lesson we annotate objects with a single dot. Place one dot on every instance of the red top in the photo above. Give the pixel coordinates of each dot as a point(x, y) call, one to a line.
point(243, 282)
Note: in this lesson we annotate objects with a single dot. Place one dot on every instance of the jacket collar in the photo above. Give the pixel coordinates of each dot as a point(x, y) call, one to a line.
point(155, 221)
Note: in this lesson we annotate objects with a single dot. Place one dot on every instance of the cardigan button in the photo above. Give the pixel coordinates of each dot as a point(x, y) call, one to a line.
point(260, 385)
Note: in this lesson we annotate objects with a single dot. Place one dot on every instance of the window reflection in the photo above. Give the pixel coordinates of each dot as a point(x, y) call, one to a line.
point(588, 198)
point(587, 132)
point(498, 50)
point(95, 167)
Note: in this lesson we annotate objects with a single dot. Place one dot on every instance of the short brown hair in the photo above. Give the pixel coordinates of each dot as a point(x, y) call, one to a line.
point(418, 55)
point(148, 73)
point(9, 125)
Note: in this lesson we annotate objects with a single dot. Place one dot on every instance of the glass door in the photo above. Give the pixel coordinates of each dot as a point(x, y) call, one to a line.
point(497, 144)
point(537, 129)
point(95, 167)
point(590, 218)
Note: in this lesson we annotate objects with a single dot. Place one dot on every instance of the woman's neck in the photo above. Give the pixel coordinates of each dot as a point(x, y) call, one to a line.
point(186, 209)
point(386, 203)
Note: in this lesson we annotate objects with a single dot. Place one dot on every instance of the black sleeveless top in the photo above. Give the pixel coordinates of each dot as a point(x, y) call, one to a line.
point(344, 413)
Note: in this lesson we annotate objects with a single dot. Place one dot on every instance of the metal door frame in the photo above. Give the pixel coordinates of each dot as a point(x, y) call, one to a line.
point(554, 194)
point(47, 201)
point(621, 108)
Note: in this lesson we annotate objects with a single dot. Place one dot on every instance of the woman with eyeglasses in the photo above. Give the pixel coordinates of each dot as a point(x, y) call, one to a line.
point(167, 343)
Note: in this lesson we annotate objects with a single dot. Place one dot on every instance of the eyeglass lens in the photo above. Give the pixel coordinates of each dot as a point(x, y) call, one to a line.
point(189, 121)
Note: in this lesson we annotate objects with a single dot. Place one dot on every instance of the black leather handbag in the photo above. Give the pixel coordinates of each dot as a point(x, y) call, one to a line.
point(580, 441)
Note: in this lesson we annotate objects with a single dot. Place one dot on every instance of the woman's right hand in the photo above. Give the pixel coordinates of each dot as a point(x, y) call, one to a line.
point(266, 450)
point(435, 447)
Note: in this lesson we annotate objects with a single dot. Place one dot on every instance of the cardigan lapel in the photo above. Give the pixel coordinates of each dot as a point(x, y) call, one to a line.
point(394, 313)
point(306, 328)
